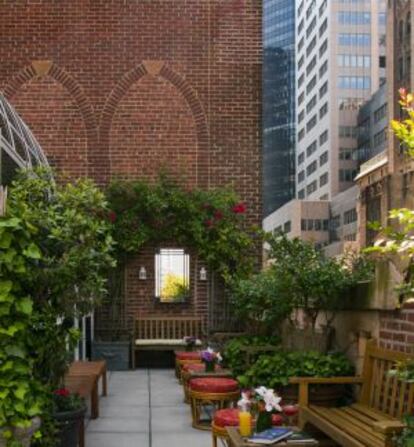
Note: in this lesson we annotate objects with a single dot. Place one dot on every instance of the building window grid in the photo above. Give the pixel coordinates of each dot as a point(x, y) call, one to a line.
point(311, 123)
point(311, 65)
point(323, 138)
point(311, 104)
point(323, 159)
point(354, 82)
point(323, 48)
point(311, 46)
point(323, 27)
point(311, 27)
point(323, 69)
point(311, 149)
point(323, 90)
point(311, 168)
point(310, 85)
point(323, 179)
point(354, 39)
point(323, 110)
point(354, 17)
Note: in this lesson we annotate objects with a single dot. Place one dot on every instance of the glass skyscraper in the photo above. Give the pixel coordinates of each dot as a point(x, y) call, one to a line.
point(278, 103)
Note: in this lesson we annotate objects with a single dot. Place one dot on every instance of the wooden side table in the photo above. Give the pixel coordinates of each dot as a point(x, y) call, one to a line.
point(96, 367)
point(235, 440)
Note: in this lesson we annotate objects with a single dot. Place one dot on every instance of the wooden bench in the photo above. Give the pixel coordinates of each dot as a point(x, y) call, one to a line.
point(96, 367)
point(164, 333)
point(376, 416)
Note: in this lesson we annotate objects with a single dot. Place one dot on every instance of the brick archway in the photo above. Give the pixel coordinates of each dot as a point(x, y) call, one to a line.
point(47, 68)
point(161, 69)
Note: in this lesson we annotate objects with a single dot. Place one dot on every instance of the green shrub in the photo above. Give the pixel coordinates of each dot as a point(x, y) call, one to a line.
point(235, 358)
point(275, 370)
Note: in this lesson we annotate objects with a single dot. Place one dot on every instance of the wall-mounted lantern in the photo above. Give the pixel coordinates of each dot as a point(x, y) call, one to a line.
point(142, 273)
point(203, 274)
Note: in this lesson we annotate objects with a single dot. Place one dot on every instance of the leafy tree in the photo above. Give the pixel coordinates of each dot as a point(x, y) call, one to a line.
point(397, 240)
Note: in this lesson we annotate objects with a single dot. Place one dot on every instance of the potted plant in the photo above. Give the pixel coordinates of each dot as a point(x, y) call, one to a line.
point(267, 402)
point(68, 410)
point(210, 359)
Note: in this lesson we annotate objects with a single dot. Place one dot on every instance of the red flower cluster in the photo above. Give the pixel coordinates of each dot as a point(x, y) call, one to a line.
point(239, 208)
point(112, 216)
point(209, 223)
point(218, 215)
point(64, 392)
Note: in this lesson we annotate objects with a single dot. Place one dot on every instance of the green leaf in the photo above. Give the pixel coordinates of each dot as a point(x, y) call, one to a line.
point(32, 251)
point(25, 306)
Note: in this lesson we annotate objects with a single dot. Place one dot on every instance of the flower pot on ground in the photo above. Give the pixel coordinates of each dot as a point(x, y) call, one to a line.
point(69, 412)
point(22, 435)
point(321, 395)
point(116, 354)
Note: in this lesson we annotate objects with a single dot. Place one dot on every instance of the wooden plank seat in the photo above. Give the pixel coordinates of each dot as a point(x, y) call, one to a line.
point(164, 333)
point(376, 417)
point(96, 367)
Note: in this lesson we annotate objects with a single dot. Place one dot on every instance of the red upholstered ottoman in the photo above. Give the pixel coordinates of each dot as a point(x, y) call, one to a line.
point(190, 370)
point(214, 392)
point(184, 358)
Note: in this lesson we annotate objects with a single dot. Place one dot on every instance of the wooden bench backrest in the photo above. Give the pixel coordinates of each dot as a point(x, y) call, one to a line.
point(165, 328)
point(381, 391)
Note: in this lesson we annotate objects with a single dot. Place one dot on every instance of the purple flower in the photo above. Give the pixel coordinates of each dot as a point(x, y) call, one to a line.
point(208, 356)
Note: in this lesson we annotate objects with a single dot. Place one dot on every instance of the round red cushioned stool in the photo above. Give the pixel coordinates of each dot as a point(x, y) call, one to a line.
point(229, 417)
point(190, 370)
point(184, 358)
point(214, 392)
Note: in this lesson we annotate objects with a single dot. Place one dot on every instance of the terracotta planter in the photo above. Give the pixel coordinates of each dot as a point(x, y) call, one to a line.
point(22, 435)
point(69, 424)
point(322, 395)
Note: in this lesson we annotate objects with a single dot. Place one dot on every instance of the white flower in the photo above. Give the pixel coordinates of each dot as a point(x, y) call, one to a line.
point(219, 357)
point(271, 400)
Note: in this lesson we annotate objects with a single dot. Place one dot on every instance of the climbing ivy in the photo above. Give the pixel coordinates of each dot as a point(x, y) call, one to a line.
point(21, 396)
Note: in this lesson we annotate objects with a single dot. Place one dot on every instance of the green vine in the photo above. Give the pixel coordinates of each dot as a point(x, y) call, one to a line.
point(212, 222)
point(21, 396)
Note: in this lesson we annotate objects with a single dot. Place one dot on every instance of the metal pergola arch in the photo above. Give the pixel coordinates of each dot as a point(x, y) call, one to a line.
point(17, 140)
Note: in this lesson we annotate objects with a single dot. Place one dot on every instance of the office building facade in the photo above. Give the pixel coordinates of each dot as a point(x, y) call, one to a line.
point(340, 48)
point(278, 103)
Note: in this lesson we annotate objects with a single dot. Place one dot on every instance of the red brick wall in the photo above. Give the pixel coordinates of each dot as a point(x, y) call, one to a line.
point(129, 87)
point(397, 329)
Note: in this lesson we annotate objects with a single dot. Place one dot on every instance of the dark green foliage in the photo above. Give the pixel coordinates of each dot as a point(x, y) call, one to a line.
point(275, 370)
point(235, 357)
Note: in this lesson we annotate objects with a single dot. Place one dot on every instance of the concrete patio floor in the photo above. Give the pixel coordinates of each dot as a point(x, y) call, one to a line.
point(144, 408)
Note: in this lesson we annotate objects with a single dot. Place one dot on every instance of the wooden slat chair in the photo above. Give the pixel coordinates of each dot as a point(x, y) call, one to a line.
point(164, 333)
point(382, 403)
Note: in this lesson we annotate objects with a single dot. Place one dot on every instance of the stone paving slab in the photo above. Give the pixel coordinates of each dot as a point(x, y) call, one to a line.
point(144, 408)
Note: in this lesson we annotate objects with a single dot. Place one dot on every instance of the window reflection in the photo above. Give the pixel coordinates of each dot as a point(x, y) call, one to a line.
point(172, 275)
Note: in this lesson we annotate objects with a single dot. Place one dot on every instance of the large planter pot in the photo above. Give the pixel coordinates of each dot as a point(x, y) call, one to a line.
point(69, 425)
point(322, 395)
point(116, 354)
point(21, 435)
